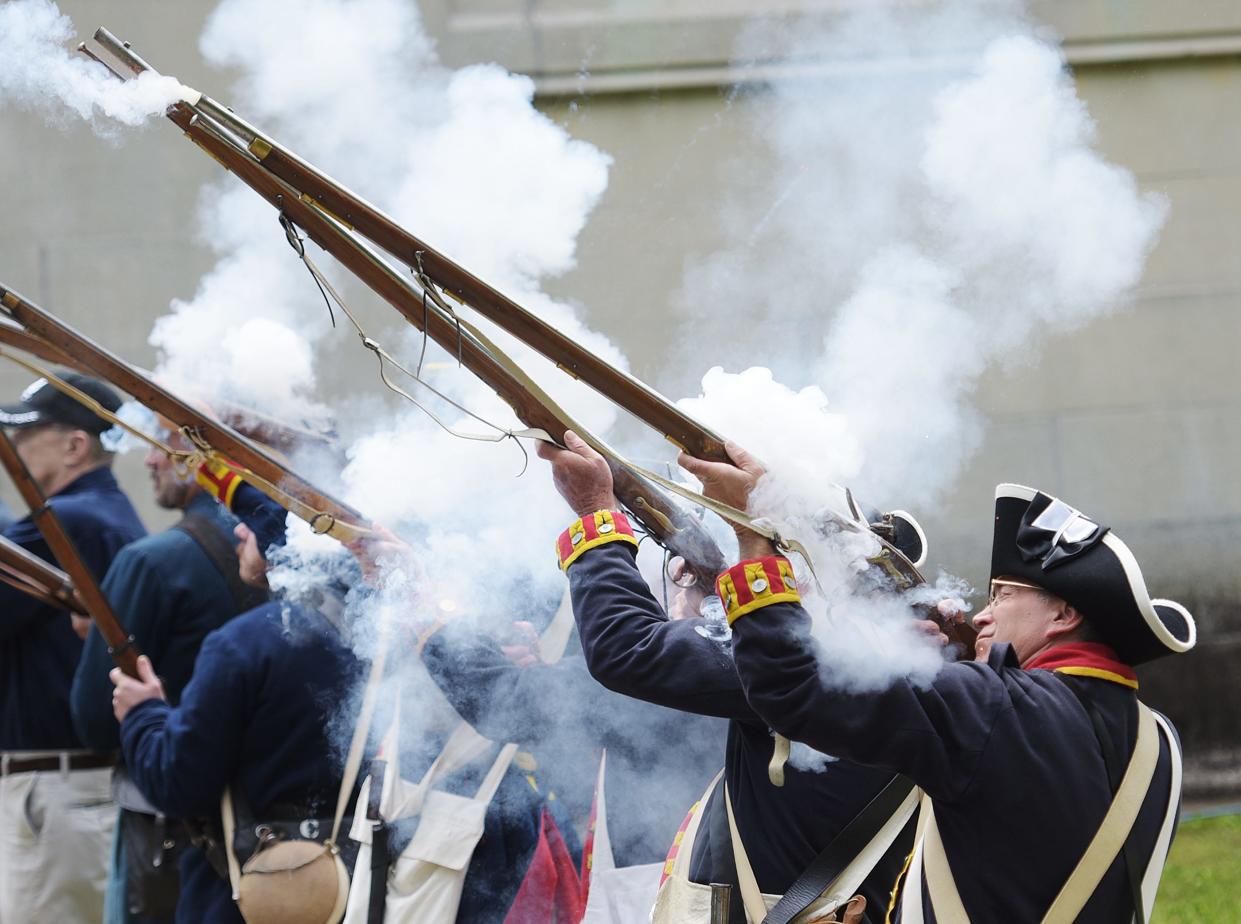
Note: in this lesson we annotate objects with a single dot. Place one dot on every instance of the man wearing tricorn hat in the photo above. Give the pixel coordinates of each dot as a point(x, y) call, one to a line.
point(55, 798)
point(1050, 792)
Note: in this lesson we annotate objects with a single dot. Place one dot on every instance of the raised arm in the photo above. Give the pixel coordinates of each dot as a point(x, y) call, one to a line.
point(630, 644)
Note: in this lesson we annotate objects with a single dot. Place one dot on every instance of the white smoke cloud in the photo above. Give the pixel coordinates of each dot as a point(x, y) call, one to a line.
point(935, 206)
point(41, 73)
point(465, 161)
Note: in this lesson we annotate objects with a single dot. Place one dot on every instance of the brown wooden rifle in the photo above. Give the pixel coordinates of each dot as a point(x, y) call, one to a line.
point(278, 434)
point(324, 513)
point(27, 572)
point(329, 214)
point(120, 643)
point(681, 532)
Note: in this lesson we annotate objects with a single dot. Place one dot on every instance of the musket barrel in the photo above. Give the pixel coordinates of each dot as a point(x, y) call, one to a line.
point(255, 463)
point(625, 390)
point(121, 51)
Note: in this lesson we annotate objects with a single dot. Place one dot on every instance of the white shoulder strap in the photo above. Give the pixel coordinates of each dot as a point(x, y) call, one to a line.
point(360, 733)
point(751, 895)
point(1117, 824)
point(1081, 884)
point(228, 822)
point(1154, 869)
point(555, 637)
point(492, 781)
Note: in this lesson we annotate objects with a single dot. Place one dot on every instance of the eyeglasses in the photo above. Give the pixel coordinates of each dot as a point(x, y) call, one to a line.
point(998, 584)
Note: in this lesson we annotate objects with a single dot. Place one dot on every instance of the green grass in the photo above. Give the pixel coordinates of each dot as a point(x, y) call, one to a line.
point(1202, 880)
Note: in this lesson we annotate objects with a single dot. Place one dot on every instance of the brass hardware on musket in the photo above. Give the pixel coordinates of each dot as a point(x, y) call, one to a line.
point(207, 150)
point(260, 148)
point(656, 515)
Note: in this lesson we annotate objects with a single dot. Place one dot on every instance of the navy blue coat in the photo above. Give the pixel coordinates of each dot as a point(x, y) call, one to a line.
point(565, 717)
point(168, 595)
point(631, 647)
point(1009, 757)
point(255, 716)
point(39, 650)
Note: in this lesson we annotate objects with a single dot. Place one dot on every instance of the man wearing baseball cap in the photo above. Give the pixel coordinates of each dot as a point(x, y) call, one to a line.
point(56, 813)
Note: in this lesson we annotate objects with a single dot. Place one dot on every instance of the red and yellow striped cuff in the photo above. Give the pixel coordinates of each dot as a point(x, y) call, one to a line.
point(592, 530)
point(751, 585)
point(218, 480)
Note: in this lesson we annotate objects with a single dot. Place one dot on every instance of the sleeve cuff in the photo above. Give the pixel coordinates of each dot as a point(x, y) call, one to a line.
point(593, 530)
point(218, 480)
point(751, 585)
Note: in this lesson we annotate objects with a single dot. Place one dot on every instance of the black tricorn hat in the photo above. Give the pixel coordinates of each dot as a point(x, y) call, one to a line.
point(1044, 541)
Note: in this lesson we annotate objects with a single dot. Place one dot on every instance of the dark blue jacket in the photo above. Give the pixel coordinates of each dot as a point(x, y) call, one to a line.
point(565, 717)
point(255, 716)
point(1009, 757)
point(168, 595)
point(38, 648)
point(631, 647)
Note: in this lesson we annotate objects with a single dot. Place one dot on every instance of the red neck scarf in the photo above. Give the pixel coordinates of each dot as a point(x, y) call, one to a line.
point(1085, 659)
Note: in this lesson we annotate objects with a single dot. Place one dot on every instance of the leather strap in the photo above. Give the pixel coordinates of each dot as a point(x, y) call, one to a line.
point(220, 553)
point(843, 849)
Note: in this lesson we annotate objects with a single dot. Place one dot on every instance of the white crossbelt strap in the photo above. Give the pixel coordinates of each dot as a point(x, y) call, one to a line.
point(1154, 869)
point(1095, 862)
point(1117, 824)
point(751, 895)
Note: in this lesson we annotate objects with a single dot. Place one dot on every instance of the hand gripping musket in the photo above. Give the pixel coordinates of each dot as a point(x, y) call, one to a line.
point(328, 213)
point(120, 643)
point(210, 437)
point(27, 572)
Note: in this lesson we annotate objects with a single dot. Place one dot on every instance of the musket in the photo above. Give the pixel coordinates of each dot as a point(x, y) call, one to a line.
point(120, 643)
point(250, 423)
point(27, 572)
point(329, 214)
point(674, 527)
point(324, 513)
point(320, 191)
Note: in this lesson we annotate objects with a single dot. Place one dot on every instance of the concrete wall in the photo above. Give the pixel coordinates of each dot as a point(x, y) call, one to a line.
point(1135, 418)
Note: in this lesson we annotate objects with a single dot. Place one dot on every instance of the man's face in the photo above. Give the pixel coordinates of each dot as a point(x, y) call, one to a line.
point(44, 450)
point(1018, 615)
point(173, 490)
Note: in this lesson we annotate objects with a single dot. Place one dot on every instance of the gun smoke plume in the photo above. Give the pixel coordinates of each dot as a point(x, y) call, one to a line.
point(950, 213)
point(41, 73)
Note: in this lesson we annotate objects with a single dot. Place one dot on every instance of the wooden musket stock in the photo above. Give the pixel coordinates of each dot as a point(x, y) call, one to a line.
point(354, 212)
point(27, 572)
point(84, 354)
point(670, 524)
point(329, 214)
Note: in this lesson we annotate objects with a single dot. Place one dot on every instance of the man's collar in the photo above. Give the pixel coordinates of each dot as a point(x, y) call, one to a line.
point(95, 480)
point(1085, 659)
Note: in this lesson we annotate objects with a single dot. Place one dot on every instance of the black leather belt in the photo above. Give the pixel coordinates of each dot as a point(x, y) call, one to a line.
point(54, 762)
